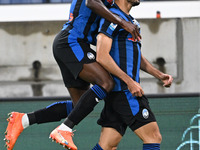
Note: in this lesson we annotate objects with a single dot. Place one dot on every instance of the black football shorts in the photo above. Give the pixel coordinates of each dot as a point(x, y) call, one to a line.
point(71, 56)
point(122, 110)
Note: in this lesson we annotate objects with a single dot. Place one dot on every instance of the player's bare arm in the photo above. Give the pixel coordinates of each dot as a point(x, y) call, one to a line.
point(99, 8)
point(104, 44)
point(150, 69)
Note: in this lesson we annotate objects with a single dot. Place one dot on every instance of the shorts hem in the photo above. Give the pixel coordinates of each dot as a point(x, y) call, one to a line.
point(141, 125)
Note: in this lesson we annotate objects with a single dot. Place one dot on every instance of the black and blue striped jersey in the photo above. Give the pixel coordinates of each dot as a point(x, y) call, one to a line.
point(83, 23)
point(125, 52)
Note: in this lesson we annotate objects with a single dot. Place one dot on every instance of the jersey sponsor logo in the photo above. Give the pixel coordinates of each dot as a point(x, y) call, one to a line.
point(71, 17)
point(90, 55)
point(131, 39)
point(145, 113)
point(112, 26)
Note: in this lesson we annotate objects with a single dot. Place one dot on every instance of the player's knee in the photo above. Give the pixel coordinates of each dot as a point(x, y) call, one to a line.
point(114, 148)
point(157, 137)
point(108, 145)
point(152, 137)
point(108, 84)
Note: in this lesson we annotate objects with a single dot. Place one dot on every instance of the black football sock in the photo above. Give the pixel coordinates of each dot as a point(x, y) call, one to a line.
point(52, 113)
point(85, 105)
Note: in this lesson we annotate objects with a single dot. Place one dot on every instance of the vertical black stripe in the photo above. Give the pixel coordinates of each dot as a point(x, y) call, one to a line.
point(135, 59)
point(90, 21)
point(76, 11)
point(105, 25)
point(94, 34)
point(77, 8)
point(75, 14)
point(122, 54)
point(116, 31)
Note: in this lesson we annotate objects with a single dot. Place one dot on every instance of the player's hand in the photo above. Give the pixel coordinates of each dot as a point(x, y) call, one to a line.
point(135, 89)
point(167, 80)
point(131, 28)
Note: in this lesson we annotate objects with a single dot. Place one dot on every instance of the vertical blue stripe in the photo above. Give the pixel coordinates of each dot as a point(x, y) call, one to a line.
point(69, 106)
point(114, 53)
point(133, 102)
point(110, 30)
point(101, 91)
point(98, 95)
point(95, 91)
point(129, 55)
point(97, 147)
point(77, 50)
point(98, 91)
point(72, 7)
point(82, 19)
point(151, 146)
point(138, 64)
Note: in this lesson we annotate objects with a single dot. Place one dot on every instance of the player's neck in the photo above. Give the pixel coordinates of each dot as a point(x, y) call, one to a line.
point(124, 6)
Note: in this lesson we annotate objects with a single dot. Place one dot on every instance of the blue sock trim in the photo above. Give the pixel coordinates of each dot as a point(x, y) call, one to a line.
point(56, 104)
point(68, 103)
point(97, 147)
point(99, 91)
point(151, 146)
point(69, 106)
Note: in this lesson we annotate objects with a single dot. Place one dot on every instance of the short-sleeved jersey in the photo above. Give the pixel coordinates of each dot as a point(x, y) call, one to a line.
point(83, 23)
point(125, 52)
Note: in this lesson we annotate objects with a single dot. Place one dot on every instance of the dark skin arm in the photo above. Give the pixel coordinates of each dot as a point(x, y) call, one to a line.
point(99, 8)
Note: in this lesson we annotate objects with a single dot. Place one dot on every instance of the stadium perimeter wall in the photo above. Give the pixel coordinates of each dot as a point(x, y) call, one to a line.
point(174, 41)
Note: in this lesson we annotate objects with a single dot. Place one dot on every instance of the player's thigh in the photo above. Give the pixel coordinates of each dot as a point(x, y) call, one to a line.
point(109, 138)
point(149, 133)
point(75, 86)
point(94, 73)
point(137, 114)
point(80, 60)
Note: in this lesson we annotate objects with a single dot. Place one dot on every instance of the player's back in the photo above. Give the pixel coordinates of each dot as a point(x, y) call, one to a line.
point(83, 23)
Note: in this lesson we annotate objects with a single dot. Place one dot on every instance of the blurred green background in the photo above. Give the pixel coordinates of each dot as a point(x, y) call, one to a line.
point(173, 116)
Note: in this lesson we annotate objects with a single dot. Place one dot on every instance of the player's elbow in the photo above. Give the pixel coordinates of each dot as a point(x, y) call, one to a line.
point(89, 3)
point(99, 58)
point(93, 4)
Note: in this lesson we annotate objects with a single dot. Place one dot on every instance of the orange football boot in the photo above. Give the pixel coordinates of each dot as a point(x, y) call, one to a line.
point(64, 138)
point(14, 129)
